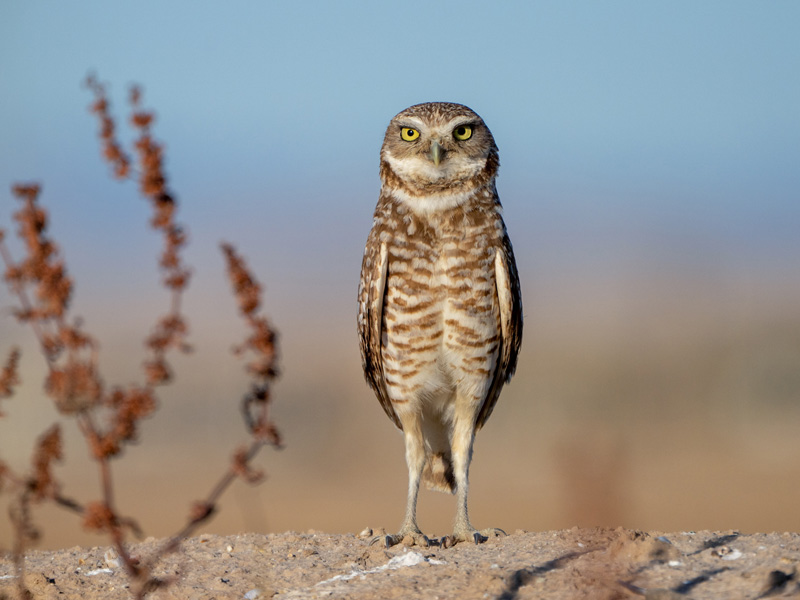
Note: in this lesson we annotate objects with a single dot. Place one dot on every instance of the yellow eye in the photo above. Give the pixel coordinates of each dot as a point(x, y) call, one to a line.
point(409, 134)
point(462, 132)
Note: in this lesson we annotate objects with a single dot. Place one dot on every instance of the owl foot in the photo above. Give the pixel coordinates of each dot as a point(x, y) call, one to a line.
point(471, 535)
point(408, 538)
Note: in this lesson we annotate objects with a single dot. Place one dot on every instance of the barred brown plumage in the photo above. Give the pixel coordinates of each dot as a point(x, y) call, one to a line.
point(440, 308)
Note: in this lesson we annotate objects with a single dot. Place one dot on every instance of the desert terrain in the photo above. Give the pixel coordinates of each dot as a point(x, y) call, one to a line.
point(568, 564)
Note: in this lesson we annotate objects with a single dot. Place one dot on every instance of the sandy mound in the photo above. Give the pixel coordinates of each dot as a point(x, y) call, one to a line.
point(576, 563)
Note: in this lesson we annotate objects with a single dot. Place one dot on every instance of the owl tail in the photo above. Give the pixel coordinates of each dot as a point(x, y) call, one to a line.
point(438, 473)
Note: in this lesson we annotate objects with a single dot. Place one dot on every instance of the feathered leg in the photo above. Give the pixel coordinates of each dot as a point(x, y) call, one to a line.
point(462, 442)
point(415, 459)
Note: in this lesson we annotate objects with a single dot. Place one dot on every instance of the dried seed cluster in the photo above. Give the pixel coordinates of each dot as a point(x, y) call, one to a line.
point(109, 417)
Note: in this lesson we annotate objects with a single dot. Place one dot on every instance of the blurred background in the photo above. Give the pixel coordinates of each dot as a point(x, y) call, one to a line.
point(650, 173)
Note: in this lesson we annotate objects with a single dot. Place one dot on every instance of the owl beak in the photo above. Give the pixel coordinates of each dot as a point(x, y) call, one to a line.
point(437, 153)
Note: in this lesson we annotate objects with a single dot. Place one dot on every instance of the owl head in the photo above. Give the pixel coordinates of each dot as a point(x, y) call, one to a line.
point(437, 154)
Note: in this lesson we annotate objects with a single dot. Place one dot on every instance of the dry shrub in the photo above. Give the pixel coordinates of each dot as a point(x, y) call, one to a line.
point(109, 417)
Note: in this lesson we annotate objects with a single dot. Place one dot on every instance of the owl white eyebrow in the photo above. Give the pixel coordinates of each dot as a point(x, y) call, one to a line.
point(465, 120)
point(411, 121)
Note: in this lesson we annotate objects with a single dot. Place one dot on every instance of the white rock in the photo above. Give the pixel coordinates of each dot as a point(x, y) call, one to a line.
point(733, 555)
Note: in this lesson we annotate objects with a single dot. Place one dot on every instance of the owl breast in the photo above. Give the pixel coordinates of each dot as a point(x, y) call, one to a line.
point(441, 321)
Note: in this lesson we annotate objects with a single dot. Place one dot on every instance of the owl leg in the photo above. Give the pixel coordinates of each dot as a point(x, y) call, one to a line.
point(462, 442)
point(415, 459)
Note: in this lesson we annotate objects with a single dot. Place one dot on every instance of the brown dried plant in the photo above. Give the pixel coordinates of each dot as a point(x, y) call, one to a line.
point(109, 417)
point(9, 377)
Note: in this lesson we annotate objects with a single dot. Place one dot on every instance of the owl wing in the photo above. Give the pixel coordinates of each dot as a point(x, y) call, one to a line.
point(509, 298)
point(371, 292)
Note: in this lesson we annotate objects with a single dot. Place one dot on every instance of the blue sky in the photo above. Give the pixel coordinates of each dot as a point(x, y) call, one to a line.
point(663, 131)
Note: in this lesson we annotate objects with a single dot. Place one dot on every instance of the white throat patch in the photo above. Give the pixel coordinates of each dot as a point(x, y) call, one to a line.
point(418, 169)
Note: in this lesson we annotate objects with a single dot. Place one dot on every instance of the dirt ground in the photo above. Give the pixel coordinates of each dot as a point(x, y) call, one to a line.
point(567, 564)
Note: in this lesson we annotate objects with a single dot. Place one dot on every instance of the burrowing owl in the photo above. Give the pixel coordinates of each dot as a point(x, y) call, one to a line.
point(440, 310)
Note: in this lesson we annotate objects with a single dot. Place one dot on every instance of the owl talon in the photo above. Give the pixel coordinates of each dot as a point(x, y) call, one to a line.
point(494, 532)
point(387, 540)
point(409, 539)
point(478, 537)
